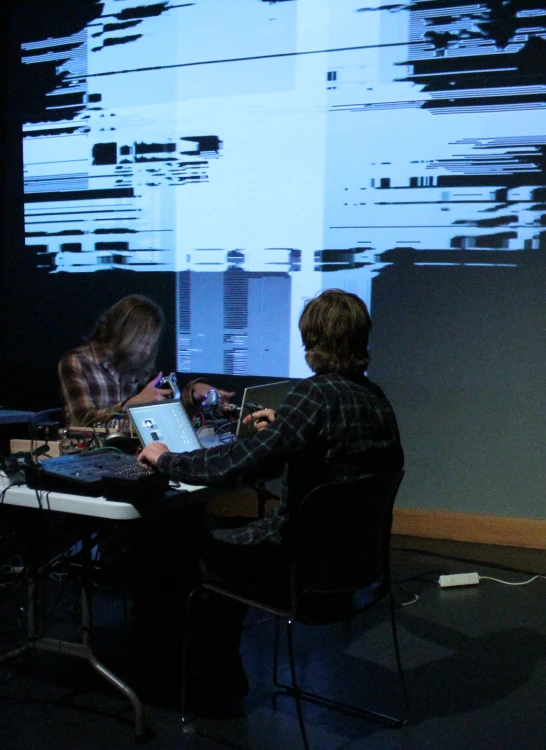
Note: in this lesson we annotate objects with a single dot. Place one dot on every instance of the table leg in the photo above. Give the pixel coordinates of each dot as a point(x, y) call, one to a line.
point(82, 650)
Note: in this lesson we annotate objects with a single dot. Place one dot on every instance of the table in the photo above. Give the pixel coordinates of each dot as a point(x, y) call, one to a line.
point(12, 416)
point(14, 492)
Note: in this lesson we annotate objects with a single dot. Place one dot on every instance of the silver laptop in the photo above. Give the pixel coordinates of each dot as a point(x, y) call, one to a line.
point(268, 396)
point(165, 421)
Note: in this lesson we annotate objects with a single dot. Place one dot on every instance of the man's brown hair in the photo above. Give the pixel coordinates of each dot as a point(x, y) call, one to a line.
point(128, 333)
point(335, 328)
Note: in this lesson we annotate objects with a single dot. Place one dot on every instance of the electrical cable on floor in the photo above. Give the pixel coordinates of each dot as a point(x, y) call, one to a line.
point(478, 577)
point(511, 583)
point(412, 601)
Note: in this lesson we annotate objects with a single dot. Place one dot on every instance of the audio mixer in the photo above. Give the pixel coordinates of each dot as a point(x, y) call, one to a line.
point(105, 471)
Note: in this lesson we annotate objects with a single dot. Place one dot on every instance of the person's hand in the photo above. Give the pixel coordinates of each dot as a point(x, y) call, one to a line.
point(225, 394)
point(149, 455)
point(261, 418)
point(151, 393)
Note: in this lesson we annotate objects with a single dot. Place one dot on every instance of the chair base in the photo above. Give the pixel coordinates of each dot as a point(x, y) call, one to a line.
point(299, 694)
point(346, 708)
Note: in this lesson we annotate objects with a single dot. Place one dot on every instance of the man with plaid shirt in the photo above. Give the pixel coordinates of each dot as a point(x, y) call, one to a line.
point(334, 426)
point(117, 364)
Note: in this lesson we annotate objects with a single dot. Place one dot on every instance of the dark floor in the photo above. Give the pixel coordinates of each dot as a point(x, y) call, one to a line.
point(475, 660)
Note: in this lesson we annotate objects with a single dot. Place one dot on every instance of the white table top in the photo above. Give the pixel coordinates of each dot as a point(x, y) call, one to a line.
point(13, 491)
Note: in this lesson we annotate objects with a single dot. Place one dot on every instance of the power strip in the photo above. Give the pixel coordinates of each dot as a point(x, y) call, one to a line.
point(459, 579)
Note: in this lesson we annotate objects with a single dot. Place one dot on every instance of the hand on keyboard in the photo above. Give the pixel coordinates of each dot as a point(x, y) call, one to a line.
point(149, 455)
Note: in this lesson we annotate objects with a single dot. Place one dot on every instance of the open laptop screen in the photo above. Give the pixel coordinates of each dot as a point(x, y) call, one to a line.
point(165, 421)
point(268, 396)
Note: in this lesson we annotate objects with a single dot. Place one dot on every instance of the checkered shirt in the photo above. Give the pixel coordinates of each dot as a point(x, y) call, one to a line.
point(329, 428)
point(92, 390)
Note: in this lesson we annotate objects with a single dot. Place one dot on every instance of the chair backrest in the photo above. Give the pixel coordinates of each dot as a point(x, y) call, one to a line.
point(342, 535)
point(44, 423)
point(47, 417)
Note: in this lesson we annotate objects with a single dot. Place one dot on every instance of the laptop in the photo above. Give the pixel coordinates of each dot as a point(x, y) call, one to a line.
point(268, 396)
point(164, 421)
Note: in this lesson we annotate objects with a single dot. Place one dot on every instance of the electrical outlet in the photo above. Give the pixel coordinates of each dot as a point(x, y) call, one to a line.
point(459, 579)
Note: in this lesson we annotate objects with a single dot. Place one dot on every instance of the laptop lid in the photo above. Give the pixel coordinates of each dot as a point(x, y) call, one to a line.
point(268, 396)
point(165, 421)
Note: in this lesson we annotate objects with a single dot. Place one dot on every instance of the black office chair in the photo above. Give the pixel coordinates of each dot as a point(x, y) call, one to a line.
point(47, 417)
point(44, 425)
point(340, 539)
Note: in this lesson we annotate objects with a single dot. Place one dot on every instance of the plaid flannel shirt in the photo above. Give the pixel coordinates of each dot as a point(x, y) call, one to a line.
point(329, 428)
point(92, 390)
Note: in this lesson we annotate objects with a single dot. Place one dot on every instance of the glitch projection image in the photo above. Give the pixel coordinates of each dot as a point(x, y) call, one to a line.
point(263, 150)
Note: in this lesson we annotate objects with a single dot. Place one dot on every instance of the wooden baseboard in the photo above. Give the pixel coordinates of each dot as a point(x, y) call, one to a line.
point(470, 527)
